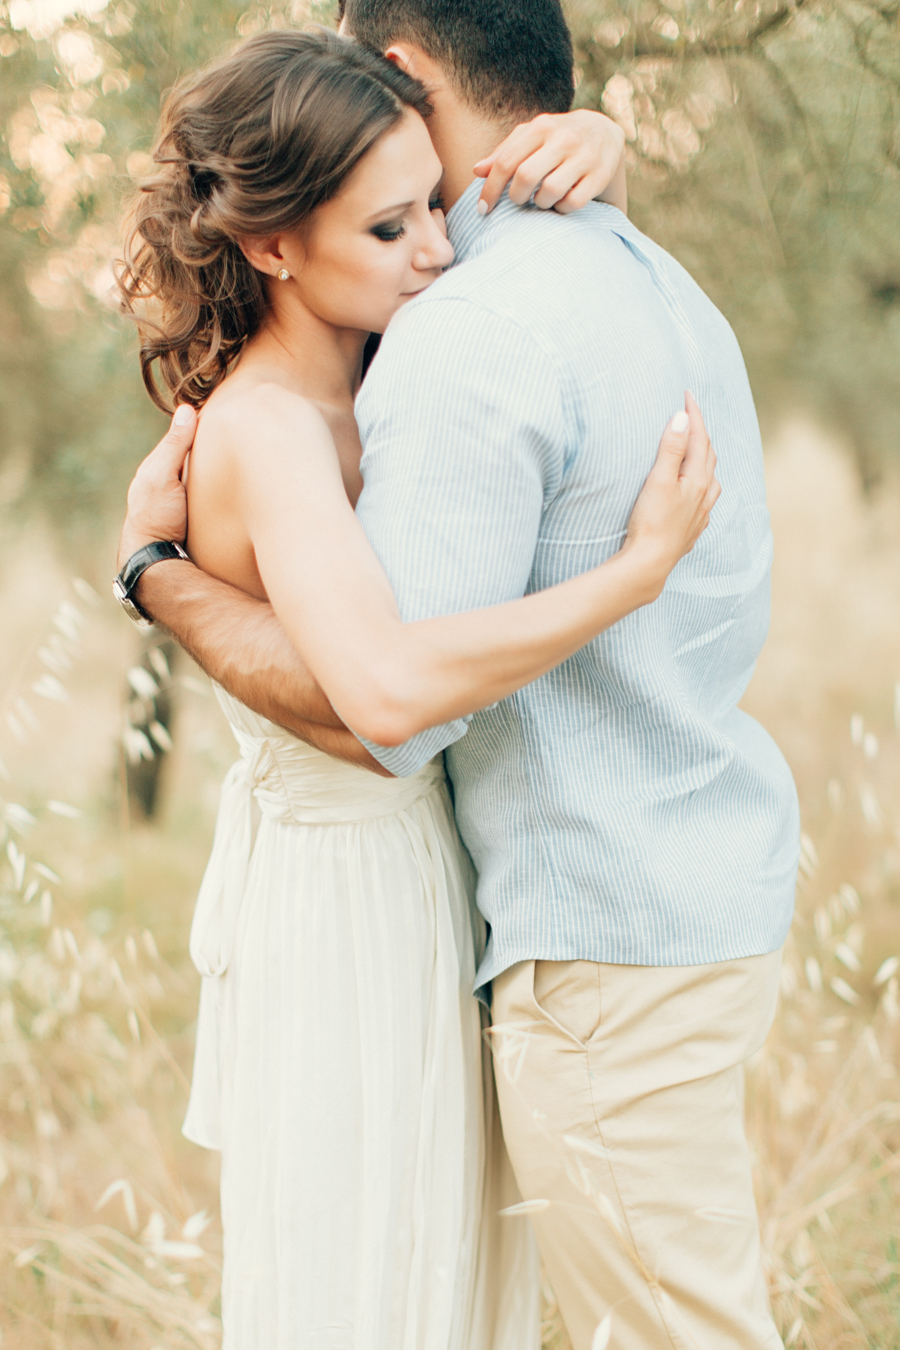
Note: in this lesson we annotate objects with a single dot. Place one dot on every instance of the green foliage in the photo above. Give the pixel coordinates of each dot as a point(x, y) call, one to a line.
point(764, 147)
point(765, 142)
point(79, 101)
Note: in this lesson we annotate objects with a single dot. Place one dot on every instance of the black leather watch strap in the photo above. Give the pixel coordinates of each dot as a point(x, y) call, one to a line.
point(145, 557)
point(134, 569)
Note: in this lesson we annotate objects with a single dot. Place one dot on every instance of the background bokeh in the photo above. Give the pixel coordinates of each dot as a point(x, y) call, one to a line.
point(764, 151)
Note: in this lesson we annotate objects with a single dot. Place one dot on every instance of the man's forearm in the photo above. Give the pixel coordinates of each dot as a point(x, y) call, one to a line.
point(240, 644)
point(339, 743)
point(237, 640)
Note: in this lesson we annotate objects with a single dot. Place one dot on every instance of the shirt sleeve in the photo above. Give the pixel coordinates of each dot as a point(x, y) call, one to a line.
point(463, 432)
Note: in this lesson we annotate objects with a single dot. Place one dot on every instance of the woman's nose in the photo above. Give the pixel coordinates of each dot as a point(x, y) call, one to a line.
point(437, 252)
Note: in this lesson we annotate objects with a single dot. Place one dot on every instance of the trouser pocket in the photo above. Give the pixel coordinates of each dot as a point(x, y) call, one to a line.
point(567, 993)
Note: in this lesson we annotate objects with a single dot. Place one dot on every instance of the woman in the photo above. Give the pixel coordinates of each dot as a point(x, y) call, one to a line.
point(339, 1062)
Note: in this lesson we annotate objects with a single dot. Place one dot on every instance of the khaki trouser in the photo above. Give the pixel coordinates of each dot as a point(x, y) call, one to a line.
point(621, 1096)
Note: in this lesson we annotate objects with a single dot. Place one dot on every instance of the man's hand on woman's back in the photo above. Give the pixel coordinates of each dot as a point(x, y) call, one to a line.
point(157, 501)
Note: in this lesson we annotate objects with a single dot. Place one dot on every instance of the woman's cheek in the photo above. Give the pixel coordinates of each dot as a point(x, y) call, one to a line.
point(387, 282)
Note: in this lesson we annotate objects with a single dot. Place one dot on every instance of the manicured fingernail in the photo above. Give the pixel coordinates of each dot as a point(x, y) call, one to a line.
point(183, 415)
point(482, 207)
point(680, 423)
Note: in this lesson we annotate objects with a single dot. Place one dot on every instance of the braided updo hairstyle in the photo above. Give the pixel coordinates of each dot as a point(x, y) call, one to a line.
point(248, 147)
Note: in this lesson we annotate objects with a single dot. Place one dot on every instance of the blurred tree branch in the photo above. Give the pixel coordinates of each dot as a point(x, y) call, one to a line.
point(727, 45)
point(764, 142)
point(764, 152)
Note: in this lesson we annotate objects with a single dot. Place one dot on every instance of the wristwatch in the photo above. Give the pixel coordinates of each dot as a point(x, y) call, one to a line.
point(124, 585)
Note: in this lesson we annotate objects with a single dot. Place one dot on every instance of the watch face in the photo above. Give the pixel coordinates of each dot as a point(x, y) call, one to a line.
point(129, 606)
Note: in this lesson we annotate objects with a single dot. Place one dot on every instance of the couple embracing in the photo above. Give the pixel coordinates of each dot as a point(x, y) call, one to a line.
point(467, 602)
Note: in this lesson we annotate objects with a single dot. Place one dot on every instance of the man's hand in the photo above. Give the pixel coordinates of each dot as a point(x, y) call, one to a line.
point(157, 501)
point(566, 159)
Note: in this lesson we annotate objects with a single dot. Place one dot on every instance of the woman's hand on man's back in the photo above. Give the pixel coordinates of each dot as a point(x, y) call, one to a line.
point(681, 490)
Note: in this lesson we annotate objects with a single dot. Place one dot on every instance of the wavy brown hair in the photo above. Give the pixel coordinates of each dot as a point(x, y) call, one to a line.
point(248, 147)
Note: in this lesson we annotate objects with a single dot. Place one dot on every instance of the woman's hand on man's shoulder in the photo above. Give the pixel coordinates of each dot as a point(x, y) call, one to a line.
point(562, 160)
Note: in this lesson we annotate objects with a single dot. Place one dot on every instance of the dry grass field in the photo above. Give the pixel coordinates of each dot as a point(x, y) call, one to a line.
point(109, 1232)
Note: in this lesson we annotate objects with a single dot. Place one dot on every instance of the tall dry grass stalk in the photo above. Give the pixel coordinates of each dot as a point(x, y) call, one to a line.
point(105, 1235)
point(105, 1238)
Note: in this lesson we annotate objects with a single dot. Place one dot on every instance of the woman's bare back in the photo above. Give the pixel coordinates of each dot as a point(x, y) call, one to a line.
point(223, 452)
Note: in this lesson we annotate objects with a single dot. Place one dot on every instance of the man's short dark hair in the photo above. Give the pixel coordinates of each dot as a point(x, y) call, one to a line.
point(507, 57)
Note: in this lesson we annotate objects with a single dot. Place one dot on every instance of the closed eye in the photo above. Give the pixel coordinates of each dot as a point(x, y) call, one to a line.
point(388, 230)
point(391, 230)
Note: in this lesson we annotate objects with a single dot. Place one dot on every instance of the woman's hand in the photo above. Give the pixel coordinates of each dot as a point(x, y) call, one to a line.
point(673, 508)
point(564, 160)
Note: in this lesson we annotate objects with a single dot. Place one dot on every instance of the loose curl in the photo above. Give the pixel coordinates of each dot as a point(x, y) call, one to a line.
point(248, 147)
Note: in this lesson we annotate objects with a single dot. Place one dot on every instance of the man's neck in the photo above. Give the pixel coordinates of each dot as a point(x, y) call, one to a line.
point(462, 136)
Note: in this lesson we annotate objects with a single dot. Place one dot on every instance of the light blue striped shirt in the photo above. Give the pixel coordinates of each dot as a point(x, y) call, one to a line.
point(621, 808)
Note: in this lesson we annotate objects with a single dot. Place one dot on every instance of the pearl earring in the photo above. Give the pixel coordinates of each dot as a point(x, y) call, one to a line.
point(283, 274)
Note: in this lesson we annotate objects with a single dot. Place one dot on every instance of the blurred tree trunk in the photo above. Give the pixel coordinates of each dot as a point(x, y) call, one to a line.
point(151, 706)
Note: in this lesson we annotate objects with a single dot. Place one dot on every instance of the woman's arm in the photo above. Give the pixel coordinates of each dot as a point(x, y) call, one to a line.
point(389, 680)
point(236, 639)
point(241, 645)
point(564, 160)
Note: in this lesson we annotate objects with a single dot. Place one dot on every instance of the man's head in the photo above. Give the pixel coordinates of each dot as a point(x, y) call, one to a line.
point(508, 59)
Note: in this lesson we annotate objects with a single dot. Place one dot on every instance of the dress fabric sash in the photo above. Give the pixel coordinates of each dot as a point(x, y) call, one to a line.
point(290, 784)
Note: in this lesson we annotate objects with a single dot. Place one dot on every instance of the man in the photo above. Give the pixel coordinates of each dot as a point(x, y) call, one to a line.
point(634, 833)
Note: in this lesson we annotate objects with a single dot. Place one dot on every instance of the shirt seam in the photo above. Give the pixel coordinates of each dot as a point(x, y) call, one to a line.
point(565, 397)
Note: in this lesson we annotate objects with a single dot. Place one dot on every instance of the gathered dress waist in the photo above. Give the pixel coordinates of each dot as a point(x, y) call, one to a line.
point(292, 784)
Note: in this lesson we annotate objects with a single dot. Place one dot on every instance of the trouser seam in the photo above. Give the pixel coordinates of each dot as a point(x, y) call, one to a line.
point(650, 1284)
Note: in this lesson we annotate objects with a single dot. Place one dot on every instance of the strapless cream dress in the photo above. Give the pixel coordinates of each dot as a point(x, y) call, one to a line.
point(340, 1065)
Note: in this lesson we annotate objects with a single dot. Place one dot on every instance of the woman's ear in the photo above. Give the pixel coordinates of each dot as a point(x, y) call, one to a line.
point(266, 255)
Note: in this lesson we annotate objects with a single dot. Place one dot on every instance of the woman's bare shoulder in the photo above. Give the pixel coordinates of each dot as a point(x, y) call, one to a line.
point(247, 418)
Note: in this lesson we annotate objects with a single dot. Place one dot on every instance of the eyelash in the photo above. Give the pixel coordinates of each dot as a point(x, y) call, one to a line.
point(389, 235)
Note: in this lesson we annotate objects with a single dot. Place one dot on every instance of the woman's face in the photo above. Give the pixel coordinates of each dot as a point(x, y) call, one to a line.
point(381, 240)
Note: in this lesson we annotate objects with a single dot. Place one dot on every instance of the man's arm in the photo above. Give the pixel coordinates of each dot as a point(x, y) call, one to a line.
point(236, 639)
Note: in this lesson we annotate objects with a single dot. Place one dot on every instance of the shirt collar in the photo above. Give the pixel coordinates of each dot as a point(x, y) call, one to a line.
point(470, 233)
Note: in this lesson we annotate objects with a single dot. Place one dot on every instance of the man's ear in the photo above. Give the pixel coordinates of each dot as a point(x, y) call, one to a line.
point(400, 54)
point(417, 64)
